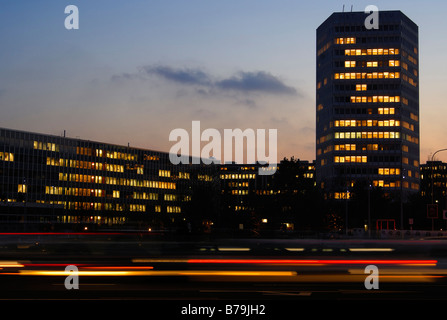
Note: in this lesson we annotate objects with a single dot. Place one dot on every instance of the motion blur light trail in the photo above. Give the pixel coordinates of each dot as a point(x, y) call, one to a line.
point(319, 262)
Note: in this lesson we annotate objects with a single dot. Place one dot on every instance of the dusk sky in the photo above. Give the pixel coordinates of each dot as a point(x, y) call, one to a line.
point(135, 70)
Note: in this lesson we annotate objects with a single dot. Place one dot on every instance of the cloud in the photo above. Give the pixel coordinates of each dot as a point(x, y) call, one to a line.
point(256, 81)
point(207, 84)
point(183, 76)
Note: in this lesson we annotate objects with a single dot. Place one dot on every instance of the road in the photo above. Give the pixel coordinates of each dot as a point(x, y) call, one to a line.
point(114, 267)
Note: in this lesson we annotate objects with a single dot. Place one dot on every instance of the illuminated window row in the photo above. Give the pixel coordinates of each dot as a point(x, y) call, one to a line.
point(367, 135)
point(350, 40)
point(239, 192)
point(342, 195)
point(95, 219)
point(374, 99)
point(53, 202)
point(116, 181)
point(145, 196)
point(164, 173)
point(410, 138)
point(6, 156)
point(84, 151)
point(269, 168)
point(238, 176)
point(173, 209)
point(116, 155)
point(371, 64)
point(84, 164)
point(385, 110)
point(353, 147)
point(139, 168)
point(367, 123)
point(358, 159)
point(170, 197)
point(204, 177)
point(389, 171)
point(386, 184)
point(407, 125)
point(46, 146)
point(325, 138)
point(96, 206)
point(371, 52)
point(409, 80)
point(149, 157)
point(412, 59)
point(366, 75)
point(54, 190)
point(183, 175)
point(361, 87)
point(345, 147)
point(81, 192)
point(237, 184)
point(265, 192)
point(137, 208)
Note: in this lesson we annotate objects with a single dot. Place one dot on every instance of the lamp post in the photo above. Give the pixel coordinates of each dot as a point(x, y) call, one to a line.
point(369, 210)
point(346, 211)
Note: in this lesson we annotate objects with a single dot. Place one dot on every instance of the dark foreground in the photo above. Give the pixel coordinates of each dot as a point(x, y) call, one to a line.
point(244, 277)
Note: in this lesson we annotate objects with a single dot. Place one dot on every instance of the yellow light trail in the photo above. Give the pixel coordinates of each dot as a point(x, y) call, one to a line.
point(10, 264)
point(155, 273)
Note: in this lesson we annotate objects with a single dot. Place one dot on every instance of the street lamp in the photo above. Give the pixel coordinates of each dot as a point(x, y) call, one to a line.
point(369, 210)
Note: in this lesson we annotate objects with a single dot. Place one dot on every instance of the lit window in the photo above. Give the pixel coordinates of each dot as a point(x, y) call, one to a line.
point(360, 87)
point(6, 156)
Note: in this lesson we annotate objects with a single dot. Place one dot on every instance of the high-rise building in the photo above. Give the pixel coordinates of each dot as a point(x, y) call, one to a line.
point(367, 104)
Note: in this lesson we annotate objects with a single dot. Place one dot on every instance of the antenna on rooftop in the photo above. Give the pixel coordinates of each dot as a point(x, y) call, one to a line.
point(343, 8)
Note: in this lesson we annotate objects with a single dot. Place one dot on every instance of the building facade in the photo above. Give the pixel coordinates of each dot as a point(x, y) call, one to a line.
point(367, 104)
point(64, 182)
point(281, 201)
point(56, 183)
point(434, 182)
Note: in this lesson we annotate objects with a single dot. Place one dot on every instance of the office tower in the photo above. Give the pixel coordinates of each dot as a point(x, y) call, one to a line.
point(367, 104)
